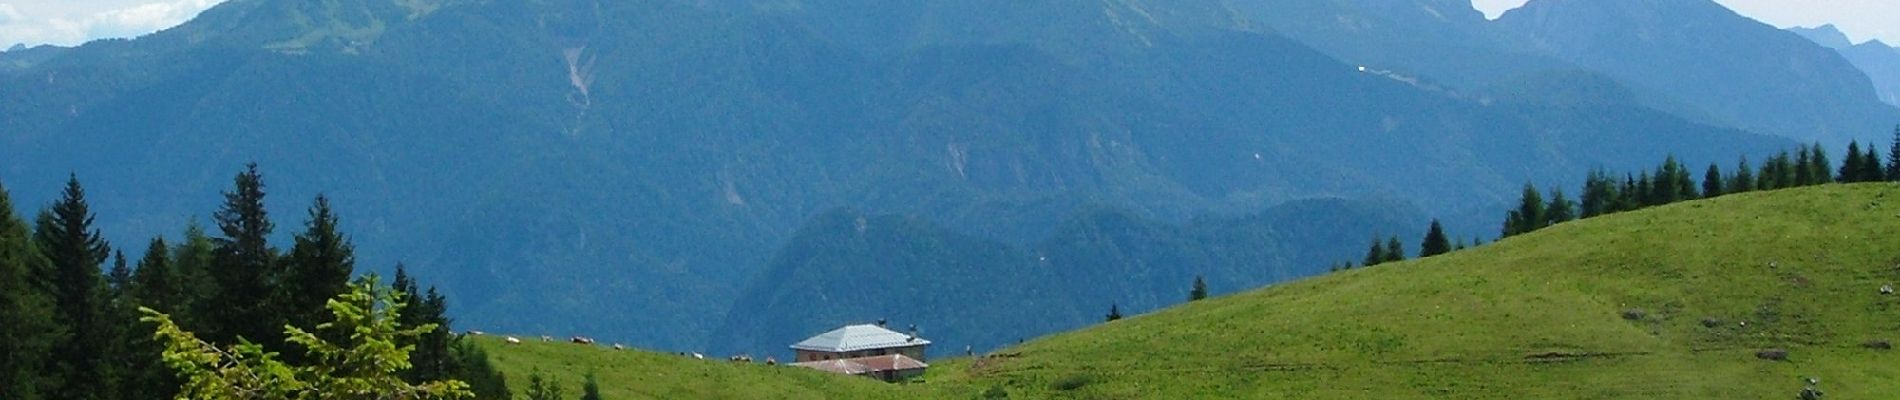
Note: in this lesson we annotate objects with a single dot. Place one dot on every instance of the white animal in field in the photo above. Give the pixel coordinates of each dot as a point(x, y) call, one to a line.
point(512, 340)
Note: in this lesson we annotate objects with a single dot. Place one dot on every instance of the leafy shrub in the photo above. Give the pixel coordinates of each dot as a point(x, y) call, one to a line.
point(1071, 382)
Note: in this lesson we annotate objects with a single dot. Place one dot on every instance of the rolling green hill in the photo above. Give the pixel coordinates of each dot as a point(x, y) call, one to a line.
point(1673, 302)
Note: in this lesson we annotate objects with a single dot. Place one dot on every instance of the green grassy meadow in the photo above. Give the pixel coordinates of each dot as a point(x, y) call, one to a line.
point(1671, 302)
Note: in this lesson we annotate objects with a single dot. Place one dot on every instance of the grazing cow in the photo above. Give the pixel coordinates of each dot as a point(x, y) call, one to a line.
point(771, 361)
point(581, 340)
point(1888, 290)
point(546, 338)
point(698, 356)
point(476, 333)
point(617, 346)
point(512, 340)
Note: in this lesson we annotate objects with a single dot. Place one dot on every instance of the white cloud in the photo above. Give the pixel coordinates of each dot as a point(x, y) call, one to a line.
point(64, 23)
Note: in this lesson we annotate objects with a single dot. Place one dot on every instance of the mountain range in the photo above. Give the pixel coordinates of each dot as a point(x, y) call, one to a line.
point(688, 174)
point(1880, 61)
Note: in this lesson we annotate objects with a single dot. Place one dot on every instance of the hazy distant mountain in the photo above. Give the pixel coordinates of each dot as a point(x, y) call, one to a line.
point(1738, 70)
point(627, 169)
point(1879, 61)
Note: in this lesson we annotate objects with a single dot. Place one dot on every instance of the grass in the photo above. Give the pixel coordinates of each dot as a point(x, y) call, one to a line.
point(1672, 302)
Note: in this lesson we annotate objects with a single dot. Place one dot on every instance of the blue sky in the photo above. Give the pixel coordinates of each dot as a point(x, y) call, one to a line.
point(70, 22)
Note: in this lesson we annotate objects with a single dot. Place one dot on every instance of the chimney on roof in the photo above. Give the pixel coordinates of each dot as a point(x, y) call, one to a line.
point(913, 333)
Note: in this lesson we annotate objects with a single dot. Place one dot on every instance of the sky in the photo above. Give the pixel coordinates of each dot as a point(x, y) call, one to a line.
point(1862, 20)
point(71, 22)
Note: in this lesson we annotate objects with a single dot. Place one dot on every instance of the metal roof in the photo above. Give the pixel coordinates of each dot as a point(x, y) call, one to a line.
point(859, 337)
point(864, 365)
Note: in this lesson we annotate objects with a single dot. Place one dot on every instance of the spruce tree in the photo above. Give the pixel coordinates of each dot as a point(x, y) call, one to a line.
point(1744, 179)
point(317, 269)
point(1851, 167)
point(591, 389)
point(1870, 167)
point(541, 388)
point(1821, 169)
point(1435, 242)
point(1597, 192)
point(1712, 182)
point(1394, 250)
point(27, 320)
point(74, 251)
point(1560, 209)
point(1114, 312)
point(1530, 214)
point(479, 372)
point(1375, 255)
point(1893, 157)
point(1199, 291)
point(192, 261)
point(155, 285)
point(1803, 168)
point(244, 267)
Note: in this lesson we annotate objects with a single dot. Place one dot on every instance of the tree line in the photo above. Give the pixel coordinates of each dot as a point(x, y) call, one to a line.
point(71, 325)
point(1604, 193)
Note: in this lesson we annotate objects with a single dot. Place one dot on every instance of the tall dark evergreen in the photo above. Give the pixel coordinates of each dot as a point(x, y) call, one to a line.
point(1744, 179)
point(1820, 169)
point(1435, 242)
point(244, 267)
point(191, 262)
point(317, 269)
point(591, 389)
point(1199, 291)
point(1114, 313)
point(1893, 156)
point(1560, 209)
point(74, 251)
point(1529, 216)
point(1870, 168)
point(1712, 182)
point(27, 320)
point(1851, 167)
point(156, 284)
point(1599, 194)
point(1376, 254)
point(1803, 168)
point(1394, 250)
point(479, 372)
point(542, 388)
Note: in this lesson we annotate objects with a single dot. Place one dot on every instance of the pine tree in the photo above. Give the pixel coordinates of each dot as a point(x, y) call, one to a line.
point(1435, 242)
point(1893, 157)
point(1744, 179)
point(75, 251)
point(475, 368)
point(156, 285)
point(1114, 312)
point(591, 389)
point(1199, 291)
point(244, 267)
point(1803, 168)
point(1821, 169)
point(1530, 214)
point(1394, 250)
point(541, 388)
point(1376, 255)
point(1712, 182)
point(118, 331)
point(27, 320)
point(192, 261)
point(318, 269)
point(1851, 167)
point(1870, 167)
point(1599, 194)
point(1560, 209)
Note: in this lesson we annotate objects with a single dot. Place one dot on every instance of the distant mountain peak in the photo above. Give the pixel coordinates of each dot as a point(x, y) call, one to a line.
point(17, 47)
point(1825, 35)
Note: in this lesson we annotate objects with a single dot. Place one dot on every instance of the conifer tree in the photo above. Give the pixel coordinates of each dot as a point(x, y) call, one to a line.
point(541, 388)
point(1560, 209)
point(318, 269)
point(1114, 312)
point(244, 267)
point(1599, 194)
point(1199, 291)
point(1375, 255)
point(1435, 242)
point(156, 285)
point(1803, 168)
point(1893, 157)
point(1744, 179)
point(191, 261)
point(591, 389)
point(1530, 214)
point(1821, 169)
point(1394, 250)
point(1851, 167)
point(1712, 182)
point(1870, 169)
point(475, 368)
point(27, 320)
point(75, 250)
